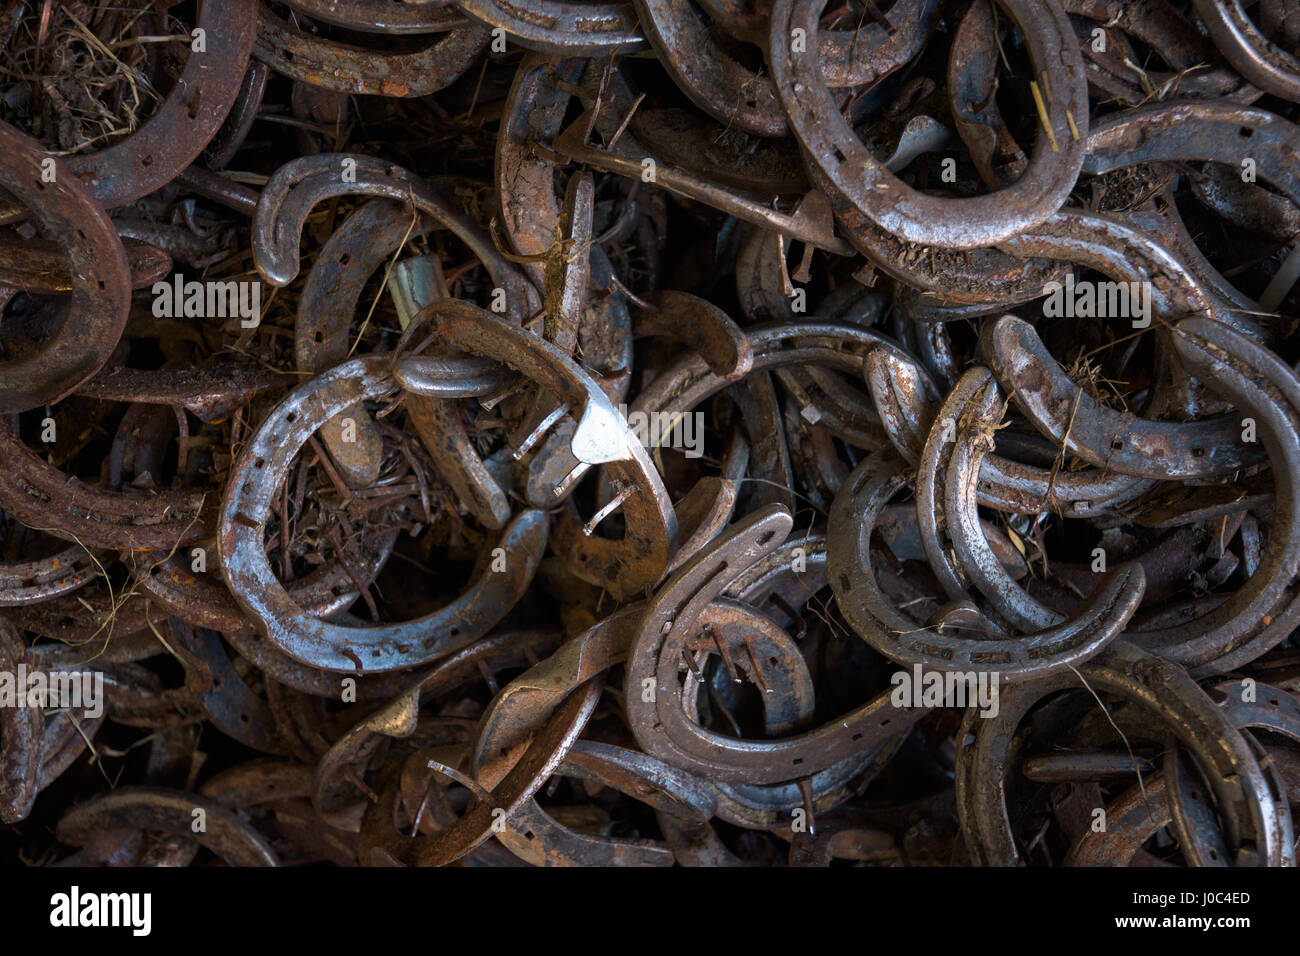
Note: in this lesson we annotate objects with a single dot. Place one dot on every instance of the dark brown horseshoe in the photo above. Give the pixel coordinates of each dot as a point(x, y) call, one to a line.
point(31, 489)
point(595, 29)
point(382, 16)
point(185, 123)
point(879, 197)
point(101, 278)
point(142, 808)
point(21, 730)
point(351, 69)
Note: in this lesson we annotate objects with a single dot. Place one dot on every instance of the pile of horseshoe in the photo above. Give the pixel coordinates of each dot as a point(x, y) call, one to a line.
point(968, 332)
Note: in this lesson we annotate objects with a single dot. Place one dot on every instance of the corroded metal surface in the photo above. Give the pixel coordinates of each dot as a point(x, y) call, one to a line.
point(710, 433)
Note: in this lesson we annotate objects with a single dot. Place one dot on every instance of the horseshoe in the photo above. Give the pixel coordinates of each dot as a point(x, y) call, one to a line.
point(264, 464)
point(525, 178)
point(903, 400)
point(172, 811)
point(1154, 685)
point(1265, 610)
point(101, 279)
point(330, 786)
point(66, 737)
point(532, 769)
point(716, 82)
point(687, 139)
point(736, 96)
point(1112, 247)
point(42, 497)
point(703, 328)
point(21, 737)
point(602, 437)
point(33, 582)
point(863, 191)
point(851, 570)
point(811, 223)
point(228, 701)
point(359, 246)
point(381, 16)
point(38, 266)
point(1185, 130)
point(662, 727)
point(1089, 430)
point(230, 138)
point(1132, 818)
point(536, 838)
point(599, 29)
point(969, 406)
point(210, 391)
point(1251, 53)
point(298, 186)
point(351, 69)
point(972, 83)
point(207, 603)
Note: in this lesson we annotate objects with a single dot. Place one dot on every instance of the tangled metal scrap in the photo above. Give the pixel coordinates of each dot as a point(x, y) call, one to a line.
point(817, 229)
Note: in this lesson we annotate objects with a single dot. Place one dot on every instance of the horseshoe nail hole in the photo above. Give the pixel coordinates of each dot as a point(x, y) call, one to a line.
point(767, 536)
point(1195, 795)
point(216, 683)
point(839, 154)
point(39, 185)
point(772, 661)
point(260, 463)
point(1198, 452)
point(1245, 132)
point(292, 417)
point(455, 632)
point(857, 737)
point(102, 287)
point(530, 835)
point(885, 722)
point(1214, 854)
point(345, 258)
point(245, 719)
point(81, 234)
point(1116, 444)
point(288, 55)
point(1275, 702)
point(797, 761)
point(146, 160)
point(320, 336)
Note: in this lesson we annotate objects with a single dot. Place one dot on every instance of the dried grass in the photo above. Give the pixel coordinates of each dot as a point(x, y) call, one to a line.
point(79, 73)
